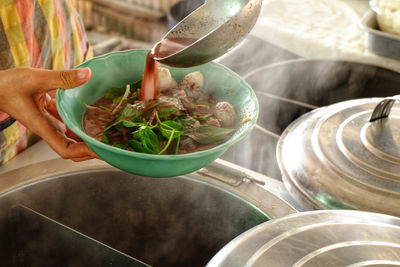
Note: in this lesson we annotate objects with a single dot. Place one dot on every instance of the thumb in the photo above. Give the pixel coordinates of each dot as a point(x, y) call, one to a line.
point(51, 79)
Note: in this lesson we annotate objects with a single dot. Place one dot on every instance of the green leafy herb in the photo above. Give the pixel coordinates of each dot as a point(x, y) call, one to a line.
point(169, 142)
point(168, 131)
point(150, 141)
point(174, 125)
point(206, 134)
point(151, 124)
point(119, 145)
point(169, 128)
point(136, 145)
point(105, 139)
point(105, 108)
point(169, 107)
point(130, 113)
point(128, 124)
point(188, 122)
point(176, 148)
point(115, 93)
point(103, 119)
point(136, 85)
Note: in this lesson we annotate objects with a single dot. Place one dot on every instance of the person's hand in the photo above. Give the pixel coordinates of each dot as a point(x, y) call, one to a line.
point(23, 96)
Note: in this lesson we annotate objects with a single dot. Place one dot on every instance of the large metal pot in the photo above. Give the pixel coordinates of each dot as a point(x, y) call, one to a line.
point(327, 161)
point(59, 213)
point(288, 90)
point(318, 238)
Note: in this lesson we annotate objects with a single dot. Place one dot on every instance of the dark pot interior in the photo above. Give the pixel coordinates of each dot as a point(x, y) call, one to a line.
point(316, 83)
point(162, 222)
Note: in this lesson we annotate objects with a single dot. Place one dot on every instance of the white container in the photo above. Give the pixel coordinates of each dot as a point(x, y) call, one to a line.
point(387, 14)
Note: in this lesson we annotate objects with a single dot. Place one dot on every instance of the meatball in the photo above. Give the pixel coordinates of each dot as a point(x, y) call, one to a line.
point(225, 113)
point(192, 84)
point(165, 80)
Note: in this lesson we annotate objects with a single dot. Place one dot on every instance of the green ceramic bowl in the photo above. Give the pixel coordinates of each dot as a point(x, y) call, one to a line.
point(119, 68)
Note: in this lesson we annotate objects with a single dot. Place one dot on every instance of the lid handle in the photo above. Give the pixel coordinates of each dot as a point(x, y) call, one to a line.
point(383, 108)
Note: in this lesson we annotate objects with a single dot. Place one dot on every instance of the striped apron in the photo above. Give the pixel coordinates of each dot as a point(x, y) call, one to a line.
point(40, 34)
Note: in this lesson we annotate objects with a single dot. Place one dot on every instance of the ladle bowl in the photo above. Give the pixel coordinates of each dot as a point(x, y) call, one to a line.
point(214, 28)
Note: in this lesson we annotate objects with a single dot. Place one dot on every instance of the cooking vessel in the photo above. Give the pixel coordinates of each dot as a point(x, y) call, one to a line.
point(318, 238)
point(346, 155)
point(60, 213)
point(333, 156)
point(288, 90)
point(120, 68)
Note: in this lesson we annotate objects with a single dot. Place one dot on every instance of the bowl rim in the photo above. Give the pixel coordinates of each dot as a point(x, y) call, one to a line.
point(96, 143)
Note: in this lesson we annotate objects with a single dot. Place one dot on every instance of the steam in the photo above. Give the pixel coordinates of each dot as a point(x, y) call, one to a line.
point(285, 91)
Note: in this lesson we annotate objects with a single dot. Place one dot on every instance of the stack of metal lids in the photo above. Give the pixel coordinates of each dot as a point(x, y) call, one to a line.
point(317, 238)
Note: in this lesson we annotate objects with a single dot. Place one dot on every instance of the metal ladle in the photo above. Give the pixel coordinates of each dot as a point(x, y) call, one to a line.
point(213, 29)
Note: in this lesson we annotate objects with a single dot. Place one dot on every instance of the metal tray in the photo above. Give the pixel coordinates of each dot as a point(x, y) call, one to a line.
point(379, 42)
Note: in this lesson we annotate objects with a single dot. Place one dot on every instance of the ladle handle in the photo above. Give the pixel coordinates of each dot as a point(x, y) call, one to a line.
point(383, 108)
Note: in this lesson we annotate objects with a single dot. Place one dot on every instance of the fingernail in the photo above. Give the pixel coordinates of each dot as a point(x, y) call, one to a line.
point(83, 73)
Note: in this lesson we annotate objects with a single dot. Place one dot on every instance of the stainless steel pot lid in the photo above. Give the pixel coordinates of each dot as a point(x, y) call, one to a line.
point(334, 157)
point(317, 238)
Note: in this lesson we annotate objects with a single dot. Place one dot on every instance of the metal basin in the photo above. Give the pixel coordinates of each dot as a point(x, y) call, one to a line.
point(90, 214)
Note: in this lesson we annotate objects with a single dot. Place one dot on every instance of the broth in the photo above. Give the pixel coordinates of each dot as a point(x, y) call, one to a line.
point(181, 120)
point(162, 49)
